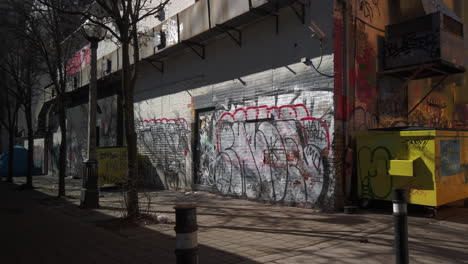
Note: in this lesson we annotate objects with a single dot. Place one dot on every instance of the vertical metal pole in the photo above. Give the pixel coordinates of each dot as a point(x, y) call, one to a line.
point(92, 105)
point(90, 193)
point(400, 217)
point(186, 234)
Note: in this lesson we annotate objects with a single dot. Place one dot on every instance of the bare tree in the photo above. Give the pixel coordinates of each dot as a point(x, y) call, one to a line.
point(20, 65)
point(10, 107)
point(50, 33)
point(122, 20)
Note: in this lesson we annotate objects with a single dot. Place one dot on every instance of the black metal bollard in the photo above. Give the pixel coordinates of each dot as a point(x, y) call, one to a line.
point(89, 191)
point(400, 217)
point(186, 234)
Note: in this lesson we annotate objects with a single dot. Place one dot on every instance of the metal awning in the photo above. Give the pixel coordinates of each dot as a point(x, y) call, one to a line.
point(422, 71)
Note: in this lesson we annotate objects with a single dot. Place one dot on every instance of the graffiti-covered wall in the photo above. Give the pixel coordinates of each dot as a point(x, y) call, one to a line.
point(444, 107)
point(270, 151)
point(367, 99)
point(382, 101)
point(274, 147)
point(165, 146)
point(251, 121)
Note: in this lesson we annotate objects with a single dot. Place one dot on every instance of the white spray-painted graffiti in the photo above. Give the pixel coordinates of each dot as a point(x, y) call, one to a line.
point(165, 142)
point(276, 153)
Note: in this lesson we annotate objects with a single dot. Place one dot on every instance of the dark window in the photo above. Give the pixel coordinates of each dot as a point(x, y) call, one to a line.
point(109, 66)
point(162, 44)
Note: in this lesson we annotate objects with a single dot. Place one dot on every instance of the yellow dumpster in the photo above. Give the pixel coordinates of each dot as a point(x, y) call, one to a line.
point(432, 165)
point(112, 165)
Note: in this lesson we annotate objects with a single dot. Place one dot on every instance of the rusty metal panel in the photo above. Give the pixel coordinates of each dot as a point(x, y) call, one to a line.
point(224, 10)
point(194, 20)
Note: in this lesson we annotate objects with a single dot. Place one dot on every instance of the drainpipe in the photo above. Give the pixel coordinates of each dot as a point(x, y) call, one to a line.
point(345, 86)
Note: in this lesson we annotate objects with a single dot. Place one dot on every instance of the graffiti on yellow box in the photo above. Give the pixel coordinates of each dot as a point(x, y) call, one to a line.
point(112, 165)
point(450, 157)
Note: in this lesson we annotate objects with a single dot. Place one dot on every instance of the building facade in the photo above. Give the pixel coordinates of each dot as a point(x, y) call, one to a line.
point(259, 99)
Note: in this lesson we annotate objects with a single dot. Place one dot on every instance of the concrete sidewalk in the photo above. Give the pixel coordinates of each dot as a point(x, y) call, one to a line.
point(231, 231)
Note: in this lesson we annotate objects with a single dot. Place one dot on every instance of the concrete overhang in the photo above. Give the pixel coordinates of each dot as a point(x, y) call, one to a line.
point(198, 23)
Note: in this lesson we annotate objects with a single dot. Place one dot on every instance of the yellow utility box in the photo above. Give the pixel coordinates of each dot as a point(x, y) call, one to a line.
point(431, 164)
point(112, 165)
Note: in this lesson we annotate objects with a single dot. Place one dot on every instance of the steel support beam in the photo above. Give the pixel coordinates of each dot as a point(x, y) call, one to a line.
point(158, 65)
point(299, 9)
point(432, 89)
point(198, 48)
point(234, 33)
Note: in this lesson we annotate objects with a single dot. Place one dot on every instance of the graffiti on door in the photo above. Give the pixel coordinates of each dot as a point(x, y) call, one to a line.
point(277, 153)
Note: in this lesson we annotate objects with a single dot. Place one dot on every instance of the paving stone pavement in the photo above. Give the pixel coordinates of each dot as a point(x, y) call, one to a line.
point(230, 230)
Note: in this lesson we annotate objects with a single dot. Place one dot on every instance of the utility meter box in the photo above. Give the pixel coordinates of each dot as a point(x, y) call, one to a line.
point(432, 165)
point(432, 39)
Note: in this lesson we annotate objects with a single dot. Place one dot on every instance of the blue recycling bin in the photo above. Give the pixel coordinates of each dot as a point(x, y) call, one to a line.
point(20, 161)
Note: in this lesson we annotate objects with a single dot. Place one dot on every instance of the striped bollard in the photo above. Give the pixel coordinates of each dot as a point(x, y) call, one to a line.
point(400, 218)
point(186, 234)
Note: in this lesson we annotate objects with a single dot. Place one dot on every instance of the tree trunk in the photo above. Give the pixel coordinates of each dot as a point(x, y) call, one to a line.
point(29, 184)
point(11, 153)
point(63, 147)
point(127, 91)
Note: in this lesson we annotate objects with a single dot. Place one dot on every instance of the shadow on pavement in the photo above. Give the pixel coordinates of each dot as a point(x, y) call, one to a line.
point(283, 234)
point(454, 213)
point(54, 230)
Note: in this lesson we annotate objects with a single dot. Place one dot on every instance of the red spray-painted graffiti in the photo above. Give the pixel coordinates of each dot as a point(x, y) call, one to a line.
point(81, 59)
point(275, 152)
point(285, 112)
point(363, 75)
point(342, 107)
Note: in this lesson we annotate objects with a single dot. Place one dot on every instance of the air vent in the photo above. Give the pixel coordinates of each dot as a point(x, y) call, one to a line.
point(435, 40)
